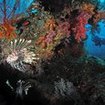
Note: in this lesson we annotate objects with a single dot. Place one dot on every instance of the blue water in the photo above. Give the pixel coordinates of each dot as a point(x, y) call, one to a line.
point(95, 43)
point(22, 7)
point(101, 1)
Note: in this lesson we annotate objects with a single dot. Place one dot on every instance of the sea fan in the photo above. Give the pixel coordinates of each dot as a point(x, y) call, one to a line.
point(18, 53)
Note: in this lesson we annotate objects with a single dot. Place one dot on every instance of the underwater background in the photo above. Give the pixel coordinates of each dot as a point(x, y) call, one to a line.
point(95, 42)
point(22, 6)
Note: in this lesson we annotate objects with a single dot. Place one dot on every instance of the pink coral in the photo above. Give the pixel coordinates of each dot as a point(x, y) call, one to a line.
point(50, 36)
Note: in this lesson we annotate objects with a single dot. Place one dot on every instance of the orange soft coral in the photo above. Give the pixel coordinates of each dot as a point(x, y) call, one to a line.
point(50, 24)
point(87, 7)
point(7, 31)
point(2, 31)
point(41, 41)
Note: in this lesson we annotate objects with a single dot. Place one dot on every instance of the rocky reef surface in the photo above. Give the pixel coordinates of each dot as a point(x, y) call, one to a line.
point(60, 81)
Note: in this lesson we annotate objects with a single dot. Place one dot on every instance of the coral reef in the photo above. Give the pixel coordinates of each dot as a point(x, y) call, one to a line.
point(42, 58)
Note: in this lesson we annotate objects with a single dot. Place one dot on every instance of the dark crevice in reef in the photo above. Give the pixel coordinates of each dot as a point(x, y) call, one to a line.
point(63, 81)
point(53, 5)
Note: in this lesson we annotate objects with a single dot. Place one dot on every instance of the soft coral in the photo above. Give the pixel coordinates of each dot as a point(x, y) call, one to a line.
point(79, 29)
point(7, 31)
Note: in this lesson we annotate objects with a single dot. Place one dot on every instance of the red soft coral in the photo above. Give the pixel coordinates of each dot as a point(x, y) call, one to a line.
point(80, 31)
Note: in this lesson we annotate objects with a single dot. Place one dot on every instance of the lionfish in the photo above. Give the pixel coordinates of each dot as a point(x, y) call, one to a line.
point(19, 53)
